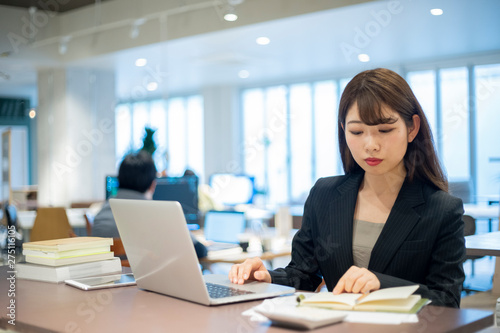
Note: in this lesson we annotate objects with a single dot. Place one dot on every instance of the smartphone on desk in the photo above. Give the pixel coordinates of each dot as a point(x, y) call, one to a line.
point(101, 282)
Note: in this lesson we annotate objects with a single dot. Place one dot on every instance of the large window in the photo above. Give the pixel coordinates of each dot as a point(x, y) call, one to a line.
point(487, 100)
point(291, 134)
point(423, 85)
point(465, 128)
point(290, 138)
point(178, 125)
point(455, 123)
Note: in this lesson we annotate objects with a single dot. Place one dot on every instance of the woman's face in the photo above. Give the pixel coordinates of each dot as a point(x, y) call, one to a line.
point(378, 149)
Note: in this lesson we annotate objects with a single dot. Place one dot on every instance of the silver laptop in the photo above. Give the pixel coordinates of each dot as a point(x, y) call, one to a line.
point(162, 256)
point(221, 229)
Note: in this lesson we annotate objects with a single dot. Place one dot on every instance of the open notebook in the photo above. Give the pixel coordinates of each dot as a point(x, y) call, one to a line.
point(162, 256)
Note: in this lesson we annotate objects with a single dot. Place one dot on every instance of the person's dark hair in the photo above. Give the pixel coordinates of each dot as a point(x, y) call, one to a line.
point(371, 90)
point(189, 172)
point(137, 171)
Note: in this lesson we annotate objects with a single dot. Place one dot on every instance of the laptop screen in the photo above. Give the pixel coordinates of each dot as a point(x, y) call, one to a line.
point(224, 226)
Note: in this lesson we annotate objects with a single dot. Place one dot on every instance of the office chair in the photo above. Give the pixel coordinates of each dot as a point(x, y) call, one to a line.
point(11, 218)
point(470, 229)
point(51, 223)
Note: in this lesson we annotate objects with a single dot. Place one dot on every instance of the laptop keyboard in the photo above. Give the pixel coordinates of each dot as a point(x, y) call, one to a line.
point(219, 291)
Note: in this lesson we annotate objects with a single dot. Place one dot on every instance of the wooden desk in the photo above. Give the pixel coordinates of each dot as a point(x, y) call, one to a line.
point(46, 307)
point(238, 258)
point(487, 244)
point(279, 247)
point(26, 218)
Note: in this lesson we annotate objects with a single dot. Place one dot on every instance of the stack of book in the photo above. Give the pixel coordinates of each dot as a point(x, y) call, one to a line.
point(57, 260)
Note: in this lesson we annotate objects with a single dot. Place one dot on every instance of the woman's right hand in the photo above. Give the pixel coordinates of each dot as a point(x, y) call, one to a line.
point(250, 269)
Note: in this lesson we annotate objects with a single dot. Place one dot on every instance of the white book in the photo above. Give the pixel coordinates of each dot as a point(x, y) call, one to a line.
point(60, 273)
point(69, 260)
point(66, 254)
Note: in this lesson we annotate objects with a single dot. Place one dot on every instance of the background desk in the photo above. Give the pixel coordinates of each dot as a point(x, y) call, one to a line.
point(76, 218)
point(483, 212)
point(57, 307)
point(487, 244)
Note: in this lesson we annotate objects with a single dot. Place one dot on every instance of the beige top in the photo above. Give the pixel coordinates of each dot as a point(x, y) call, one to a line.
point(365, 235)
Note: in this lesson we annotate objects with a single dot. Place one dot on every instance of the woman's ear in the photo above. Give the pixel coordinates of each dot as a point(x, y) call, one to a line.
point(413, 130)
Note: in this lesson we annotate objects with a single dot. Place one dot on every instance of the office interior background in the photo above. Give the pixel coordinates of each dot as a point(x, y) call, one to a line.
point(255, 96)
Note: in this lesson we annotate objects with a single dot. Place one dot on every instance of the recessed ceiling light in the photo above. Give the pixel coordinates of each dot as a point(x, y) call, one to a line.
point(263, 40)
point(152, 86)
point(231, 17)
point(243, 74)
point(363, 57)
point(32, 113)
point(436, 11)
point(141, 62)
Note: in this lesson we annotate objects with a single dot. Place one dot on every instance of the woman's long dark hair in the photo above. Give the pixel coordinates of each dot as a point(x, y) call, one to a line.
point(371, 90)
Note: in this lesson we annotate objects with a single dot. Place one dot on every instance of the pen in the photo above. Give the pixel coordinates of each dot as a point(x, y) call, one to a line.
point(366, 293)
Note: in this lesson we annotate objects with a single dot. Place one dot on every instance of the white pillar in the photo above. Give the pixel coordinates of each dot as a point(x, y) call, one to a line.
point(76, 135)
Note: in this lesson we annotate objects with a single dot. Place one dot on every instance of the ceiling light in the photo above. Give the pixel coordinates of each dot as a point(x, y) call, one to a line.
point(228, 10)
point(32, 113)
point(363, 57)
point(263, 40)
point(141, 62)
point(437, 11)
point(230, 16)
point(152, 86)
point(243, 74)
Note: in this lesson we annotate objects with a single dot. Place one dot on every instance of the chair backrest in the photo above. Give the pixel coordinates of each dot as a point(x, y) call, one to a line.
point(469, 225)
point(51, 223)
point(119, 251)
point(89, 223)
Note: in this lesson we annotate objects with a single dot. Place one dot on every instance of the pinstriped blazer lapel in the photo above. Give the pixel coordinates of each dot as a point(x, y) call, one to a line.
point(399, 224)
point(342, 209)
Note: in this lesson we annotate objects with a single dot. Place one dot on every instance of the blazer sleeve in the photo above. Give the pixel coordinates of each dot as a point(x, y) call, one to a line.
point(444, 271)
point(302, 272)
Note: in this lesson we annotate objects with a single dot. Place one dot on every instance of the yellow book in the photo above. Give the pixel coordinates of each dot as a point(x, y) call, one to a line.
point(68, 244)
point(69, 260)
point(396, 299)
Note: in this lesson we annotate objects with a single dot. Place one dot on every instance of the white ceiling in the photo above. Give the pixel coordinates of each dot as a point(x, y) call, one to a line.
point(302, 47)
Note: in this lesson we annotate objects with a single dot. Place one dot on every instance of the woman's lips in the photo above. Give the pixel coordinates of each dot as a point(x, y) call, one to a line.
point(373, 161)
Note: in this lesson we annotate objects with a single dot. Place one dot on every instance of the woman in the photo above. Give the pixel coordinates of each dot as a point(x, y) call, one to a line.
point(389, 220)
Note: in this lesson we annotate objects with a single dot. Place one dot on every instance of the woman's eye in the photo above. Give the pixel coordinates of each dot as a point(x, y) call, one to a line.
point(385, 130)
point(356, 132)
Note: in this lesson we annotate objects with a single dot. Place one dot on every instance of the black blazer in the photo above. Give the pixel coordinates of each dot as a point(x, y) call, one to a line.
point(422, 241)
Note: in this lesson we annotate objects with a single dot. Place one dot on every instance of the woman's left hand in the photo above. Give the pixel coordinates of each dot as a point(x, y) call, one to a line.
point(357, 280)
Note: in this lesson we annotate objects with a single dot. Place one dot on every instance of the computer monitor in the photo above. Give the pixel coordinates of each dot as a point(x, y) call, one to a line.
point(230, 189)
point(182, 189)
point(111, 186)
